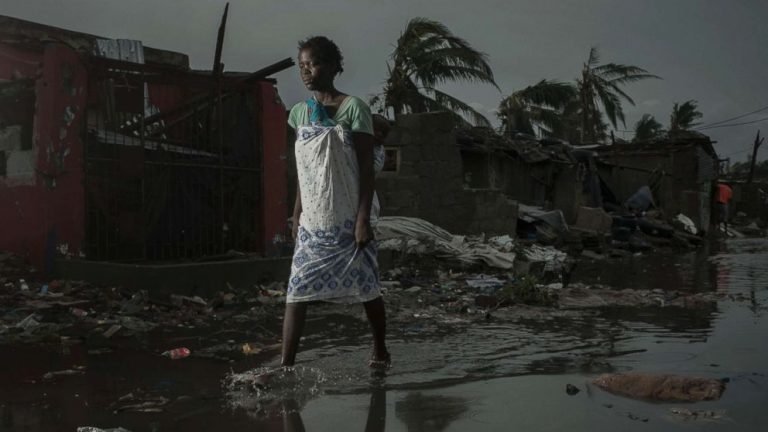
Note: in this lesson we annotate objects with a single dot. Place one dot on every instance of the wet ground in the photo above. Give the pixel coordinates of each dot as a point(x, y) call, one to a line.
point(508, 372)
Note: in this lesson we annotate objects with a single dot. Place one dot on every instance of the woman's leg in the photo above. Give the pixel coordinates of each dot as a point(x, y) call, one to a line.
point(293, 327)
point(377, 316)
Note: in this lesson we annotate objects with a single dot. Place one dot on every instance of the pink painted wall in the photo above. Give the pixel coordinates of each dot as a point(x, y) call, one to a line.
point(43, 209)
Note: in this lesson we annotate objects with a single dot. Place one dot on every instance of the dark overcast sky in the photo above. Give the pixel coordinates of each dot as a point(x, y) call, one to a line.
point(714, 51)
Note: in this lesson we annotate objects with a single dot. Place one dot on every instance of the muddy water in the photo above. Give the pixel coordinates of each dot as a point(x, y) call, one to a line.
point(506, 373)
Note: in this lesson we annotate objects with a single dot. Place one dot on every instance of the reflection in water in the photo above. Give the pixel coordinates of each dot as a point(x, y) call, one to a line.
point(285, 415)
point(716, 339)
point(377, 411)
point(427, 413)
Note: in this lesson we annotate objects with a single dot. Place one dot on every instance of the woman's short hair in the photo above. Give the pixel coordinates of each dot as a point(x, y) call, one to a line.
point(325, 50)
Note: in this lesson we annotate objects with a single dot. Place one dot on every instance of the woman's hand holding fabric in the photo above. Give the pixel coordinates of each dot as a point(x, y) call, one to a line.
point(363, 232)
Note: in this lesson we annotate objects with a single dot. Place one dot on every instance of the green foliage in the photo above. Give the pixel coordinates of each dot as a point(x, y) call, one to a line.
point(427, 54)
point(647, 128)
point(528, 291)
point(741, 169)
point(539, 106)
point(600, 91)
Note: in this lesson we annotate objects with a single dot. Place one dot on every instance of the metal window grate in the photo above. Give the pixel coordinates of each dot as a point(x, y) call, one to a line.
point(167, 179)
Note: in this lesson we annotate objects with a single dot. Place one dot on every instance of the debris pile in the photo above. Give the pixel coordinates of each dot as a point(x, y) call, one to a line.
point(32, 310)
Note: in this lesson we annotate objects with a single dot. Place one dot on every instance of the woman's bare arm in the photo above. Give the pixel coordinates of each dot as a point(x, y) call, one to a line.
point(364, 143)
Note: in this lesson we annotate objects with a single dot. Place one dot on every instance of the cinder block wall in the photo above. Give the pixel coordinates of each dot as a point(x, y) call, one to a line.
point(429, 183)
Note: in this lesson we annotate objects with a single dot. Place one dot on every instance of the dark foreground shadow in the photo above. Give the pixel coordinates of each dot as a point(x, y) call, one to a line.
point(429, 413)
point(285, 415)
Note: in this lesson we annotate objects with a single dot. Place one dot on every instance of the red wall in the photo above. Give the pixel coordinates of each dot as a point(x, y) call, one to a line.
point(44, 210)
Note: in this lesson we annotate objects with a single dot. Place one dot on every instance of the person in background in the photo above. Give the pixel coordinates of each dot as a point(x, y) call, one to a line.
point(724, 195)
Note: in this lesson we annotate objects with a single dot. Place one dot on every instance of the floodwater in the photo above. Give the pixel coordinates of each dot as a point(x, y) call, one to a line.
point(505, 374)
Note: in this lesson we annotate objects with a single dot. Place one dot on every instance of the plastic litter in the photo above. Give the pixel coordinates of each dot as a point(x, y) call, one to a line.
point(484, 282)
point(177, 353)
point(250, 349)
point(50, 375)
point(80, 313)
point(23, 285)
point(29, 322)
point(685, 222)
point(95, 429)
point(112, 330)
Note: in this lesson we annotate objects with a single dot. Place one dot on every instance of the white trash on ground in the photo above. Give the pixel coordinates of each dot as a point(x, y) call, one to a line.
point(95, 429)
point(686, 223)
point(553, 258)
point(418, 236)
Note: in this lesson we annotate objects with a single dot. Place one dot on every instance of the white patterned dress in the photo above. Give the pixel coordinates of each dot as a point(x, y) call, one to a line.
point(327, 168)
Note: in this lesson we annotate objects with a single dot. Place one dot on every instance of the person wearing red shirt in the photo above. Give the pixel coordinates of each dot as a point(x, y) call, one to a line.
point(724, 195)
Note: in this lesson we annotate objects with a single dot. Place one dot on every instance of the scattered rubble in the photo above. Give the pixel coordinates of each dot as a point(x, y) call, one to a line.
point(54, 310)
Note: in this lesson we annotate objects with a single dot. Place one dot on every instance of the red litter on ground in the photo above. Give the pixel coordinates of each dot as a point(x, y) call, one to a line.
point(177, 353)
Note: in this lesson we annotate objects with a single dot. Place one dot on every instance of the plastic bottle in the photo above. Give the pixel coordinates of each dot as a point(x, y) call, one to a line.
point(80, 313)
point(177, 353)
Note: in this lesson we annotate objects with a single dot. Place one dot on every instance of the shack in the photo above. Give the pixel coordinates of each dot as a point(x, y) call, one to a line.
point(424, 177)
point(545, 173)
point(681, 169)
point(110, 150)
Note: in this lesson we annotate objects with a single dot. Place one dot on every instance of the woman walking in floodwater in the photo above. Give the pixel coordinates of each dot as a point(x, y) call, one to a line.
point(335, 259)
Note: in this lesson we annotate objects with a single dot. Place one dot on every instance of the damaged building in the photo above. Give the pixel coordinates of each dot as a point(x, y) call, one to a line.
point(110, 150)
point(471, 180)
point(681, 171)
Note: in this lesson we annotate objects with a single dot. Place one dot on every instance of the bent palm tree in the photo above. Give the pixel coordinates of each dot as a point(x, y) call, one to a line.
point(647, 128)
point(683, 116)
point(599, 89)
point(538, 106)
point(428, 54)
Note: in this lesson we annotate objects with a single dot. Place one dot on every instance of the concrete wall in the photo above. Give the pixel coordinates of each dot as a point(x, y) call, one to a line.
point(547, 184)
point(429, 182)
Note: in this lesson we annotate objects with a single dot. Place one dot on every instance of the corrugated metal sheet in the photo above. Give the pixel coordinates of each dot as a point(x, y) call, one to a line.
point(120, 49)
point(130, 51)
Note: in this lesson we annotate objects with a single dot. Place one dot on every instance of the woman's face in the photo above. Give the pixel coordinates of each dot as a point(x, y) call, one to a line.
point(315, 74)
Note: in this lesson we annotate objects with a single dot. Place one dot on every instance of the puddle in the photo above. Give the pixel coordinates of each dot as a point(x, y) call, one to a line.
point(509, 372)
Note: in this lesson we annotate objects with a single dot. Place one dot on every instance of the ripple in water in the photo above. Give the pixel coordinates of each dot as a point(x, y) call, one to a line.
point(261, 392)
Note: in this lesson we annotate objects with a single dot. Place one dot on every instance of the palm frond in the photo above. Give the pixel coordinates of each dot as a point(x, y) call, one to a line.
point(450, 103)
point(647, 128)
point(611, 104)
point(549, 93)
point(594, 57)
point(427, 54)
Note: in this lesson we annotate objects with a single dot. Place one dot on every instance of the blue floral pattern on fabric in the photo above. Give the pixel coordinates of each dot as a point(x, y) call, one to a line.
point(325, 263)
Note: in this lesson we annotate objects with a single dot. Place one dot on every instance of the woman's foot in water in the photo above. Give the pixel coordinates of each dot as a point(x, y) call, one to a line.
point(380, 361)
point(263, 380)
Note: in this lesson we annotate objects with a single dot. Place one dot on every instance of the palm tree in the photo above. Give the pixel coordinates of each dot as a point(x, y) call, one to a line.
point(428, 54)
point(683, 116)
point(599, 88)
point(647, 128)
point(539, 106)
